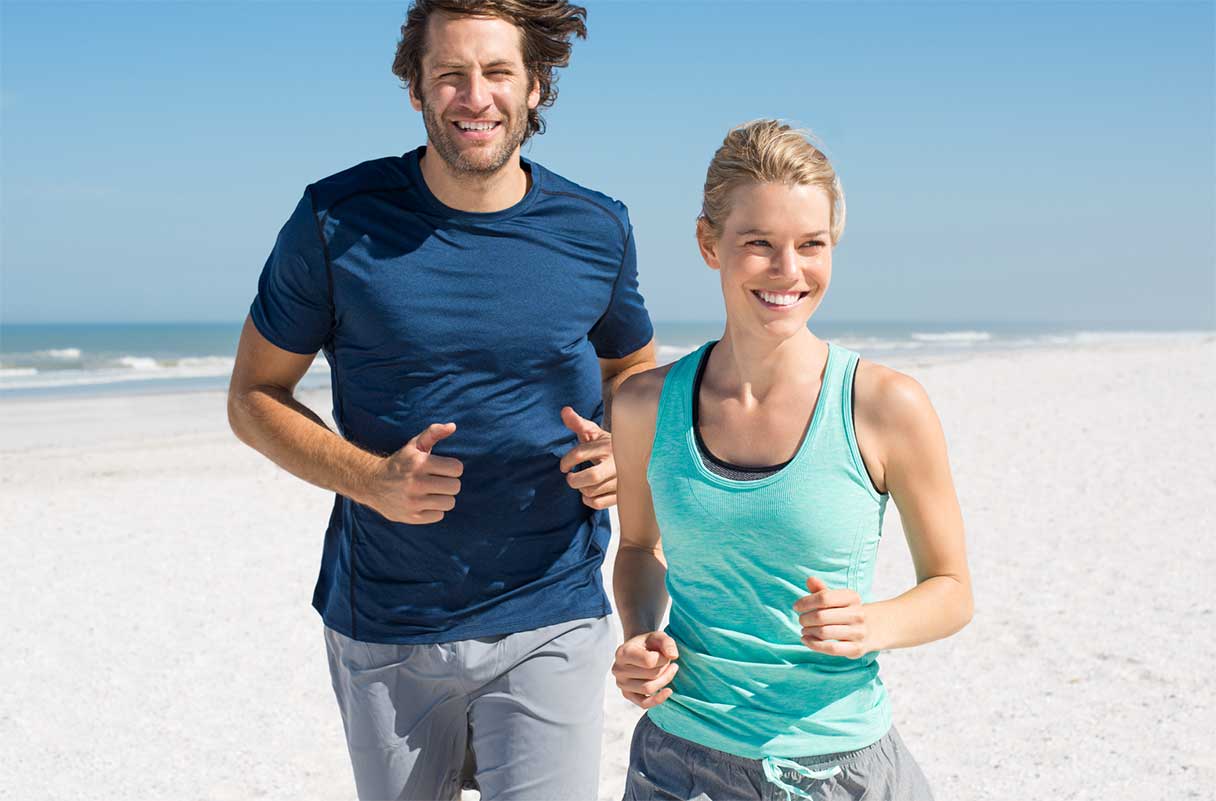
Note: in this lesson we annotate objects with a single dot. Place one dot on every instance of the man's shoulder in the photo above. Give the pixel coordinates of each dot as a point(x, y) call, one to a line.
point(385, 174)
point(559, 189)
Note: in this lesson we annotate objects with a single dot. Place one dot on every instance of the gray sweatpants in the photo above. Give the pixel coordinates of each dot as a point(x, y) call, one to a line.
point(663, 766)
point(520, 714)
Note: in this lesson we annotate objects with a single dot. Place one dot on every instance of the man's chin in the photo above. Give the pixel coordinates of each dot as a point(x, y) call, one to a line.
point(481, 161)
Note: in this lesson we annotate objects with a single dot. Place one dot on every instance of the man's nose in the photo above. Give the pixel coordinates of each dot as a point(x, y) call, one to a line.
point(476, 92)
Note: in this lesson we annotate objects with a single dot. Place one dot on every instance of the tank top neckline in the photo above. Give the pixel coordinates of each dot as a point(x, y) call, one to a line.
point(750, 471)
point(808, 436)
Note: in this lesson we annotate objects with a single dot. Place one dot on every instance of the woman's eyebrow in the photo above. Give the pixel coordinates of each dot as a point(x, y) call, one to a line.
point(763, 232)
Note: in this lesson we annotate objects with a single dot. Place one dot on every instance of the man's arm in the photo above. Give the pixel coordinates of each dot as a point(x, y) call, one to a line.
point(613, 373)
point(411, 486)
point(265, 415)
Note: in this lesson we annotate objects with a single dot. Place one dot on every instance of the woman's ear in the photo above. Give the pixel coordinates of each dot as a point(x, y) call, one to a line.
point(707, 241)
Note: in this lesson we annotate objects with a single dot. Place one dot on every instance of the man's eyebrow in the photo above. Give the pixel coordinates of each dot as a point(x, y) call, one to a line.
point(459, 65)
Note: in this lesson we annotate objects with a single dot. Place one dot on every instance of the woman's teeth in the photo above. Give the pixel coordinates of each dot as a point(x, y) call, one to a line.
point(778, 298)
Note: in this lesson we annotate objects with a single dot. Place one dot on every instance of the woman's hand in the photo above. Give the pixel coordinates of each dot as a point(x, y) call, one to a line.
point(643, 667)
point(833, 621)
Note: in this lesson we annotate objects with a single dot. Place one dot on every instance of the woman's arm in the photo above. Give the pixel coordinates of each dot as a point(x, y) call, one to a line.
point(644, 663)
point(900, 426)
point(904, 449)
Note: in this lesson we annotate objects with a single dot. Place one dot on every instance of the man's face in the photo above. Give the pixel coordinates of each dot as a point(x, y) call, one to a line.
point(475, 93)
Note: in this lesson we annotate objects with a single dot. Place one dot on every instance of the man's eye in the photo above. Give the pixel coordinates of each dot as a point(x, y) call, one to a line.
point(450, 75)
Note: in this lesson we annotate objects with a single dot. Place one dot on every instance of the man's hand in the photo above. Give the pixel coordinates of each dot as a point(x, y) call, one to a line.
point(643, 667)
point(414, 485)
point(833, 621)
point(598, 482)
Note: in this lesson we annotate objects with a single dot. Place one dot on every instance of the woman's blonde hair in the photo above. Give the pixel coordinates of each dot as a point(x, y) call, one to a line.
point(768, 151)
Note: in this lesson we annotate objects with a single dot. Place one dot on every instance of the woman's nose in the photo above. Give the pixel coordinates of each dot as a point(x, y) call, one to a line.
point(785, 263)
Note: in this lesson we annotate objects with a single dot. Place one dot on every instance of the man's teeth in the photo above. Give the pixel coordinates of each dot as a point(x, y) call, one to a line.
point(778, 299)
point(475, 126)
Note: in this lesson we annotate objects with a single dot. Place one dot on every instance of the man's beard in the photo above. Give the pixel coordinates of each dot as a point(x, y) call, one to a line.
point(477, 160)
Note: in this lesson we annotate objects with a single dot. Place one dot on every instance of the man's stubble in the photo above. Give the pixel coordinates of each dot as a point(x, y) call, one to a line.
point(475, 162)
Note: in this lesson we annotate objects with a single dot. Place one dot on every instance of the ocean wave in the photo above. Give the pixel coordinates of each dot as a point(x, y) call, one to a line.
point(67, 354)
point(864, 344)
point(224, 363)
point(50, 359)
point(953, 336)
point(139, 362)
point(130, 368)
point(671, 353)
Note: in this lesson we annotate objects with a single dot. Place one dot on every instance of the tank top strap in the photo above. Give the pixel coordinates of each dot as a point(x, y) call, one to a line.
point(830, 427)
point(673, 422)
point(835, 376)
point(848, 368)
point(847, 434)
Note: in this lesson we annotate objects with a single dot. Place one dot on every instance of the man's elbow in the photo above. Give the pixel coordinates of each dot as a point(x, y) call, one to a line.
point(241, 411)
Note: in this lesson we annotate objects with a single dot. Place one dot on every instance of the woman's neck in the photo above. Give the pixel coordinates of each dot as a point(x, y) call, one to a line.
point(750, 367)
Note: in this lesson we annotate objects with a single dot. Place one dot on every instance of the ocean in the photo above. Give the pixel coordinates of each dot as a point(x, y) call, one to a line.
point(97, 358)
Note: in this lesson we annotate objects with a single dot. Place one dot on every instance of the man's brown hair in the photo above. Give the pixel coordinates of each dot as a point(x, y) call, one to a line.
point(545, 26)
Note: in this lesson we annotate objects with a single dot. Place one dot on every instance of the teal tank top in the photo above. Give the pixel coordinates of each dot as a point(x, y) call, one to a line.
point(738, 556)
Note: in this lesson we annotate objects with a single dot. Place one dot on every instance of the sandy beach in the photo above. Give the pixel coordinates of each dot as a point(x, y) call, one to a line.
point(160, 642)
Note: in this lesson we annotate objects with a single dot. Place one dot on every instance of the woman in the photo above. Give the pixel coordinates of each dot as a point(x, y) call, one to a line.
point(753, 476)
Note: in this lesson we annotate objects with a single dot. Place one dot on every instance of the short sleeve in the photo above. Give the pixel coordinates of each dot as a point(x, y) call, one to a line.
point(293, 308)
point(625, 325)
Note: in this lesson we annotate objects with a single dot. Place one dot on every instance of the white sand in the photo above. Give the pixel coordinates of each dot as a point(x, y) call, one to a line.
point(160, 643)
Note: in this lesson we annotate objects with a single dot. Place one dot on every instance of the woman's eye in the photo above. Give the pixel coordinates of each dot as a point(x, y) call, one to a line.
point(760, 243)
point(814, 243)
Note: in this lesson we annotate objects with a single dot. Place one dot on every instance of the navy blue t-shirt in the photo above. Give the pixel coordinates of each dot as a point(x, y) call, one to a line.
point(493, 321)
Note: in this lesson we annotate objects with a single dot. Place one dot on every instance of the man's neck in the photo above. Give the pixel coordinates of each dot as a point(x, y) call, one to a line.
point(481, 192)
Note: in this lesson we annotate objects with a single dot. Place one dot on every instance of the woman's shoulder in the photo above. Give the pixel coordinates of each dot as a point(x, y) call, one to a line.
point(641, 392)
point(885, 399)
point(635, 407)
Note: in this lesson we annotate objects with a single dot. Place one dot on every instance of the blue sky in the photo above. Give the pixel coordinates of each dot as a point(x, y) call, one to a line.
point(1038, 162)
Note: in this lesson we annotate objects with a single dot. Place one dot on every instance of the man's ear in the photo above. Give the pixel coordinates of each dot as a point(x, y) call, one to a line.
point(533, 93)
point(415, 98)
point(707, 241)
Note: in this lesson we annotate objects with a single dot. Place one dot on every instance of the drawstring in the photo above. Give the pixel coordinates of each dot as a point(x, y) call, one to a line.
point(772, 772)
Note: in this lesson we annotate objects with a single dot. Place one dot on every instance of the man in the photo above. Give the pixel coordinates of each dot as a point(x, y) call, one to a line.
point(477, 311)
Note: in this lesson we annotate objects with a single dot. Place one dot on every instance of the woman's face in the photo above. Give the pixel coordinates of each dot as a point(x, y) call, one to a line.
point(774, 256)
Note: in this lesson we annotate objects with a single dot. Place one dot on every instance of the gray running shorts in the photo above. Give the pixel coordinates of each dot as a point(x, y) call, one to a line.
point(519, 716)
point(663, 766)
